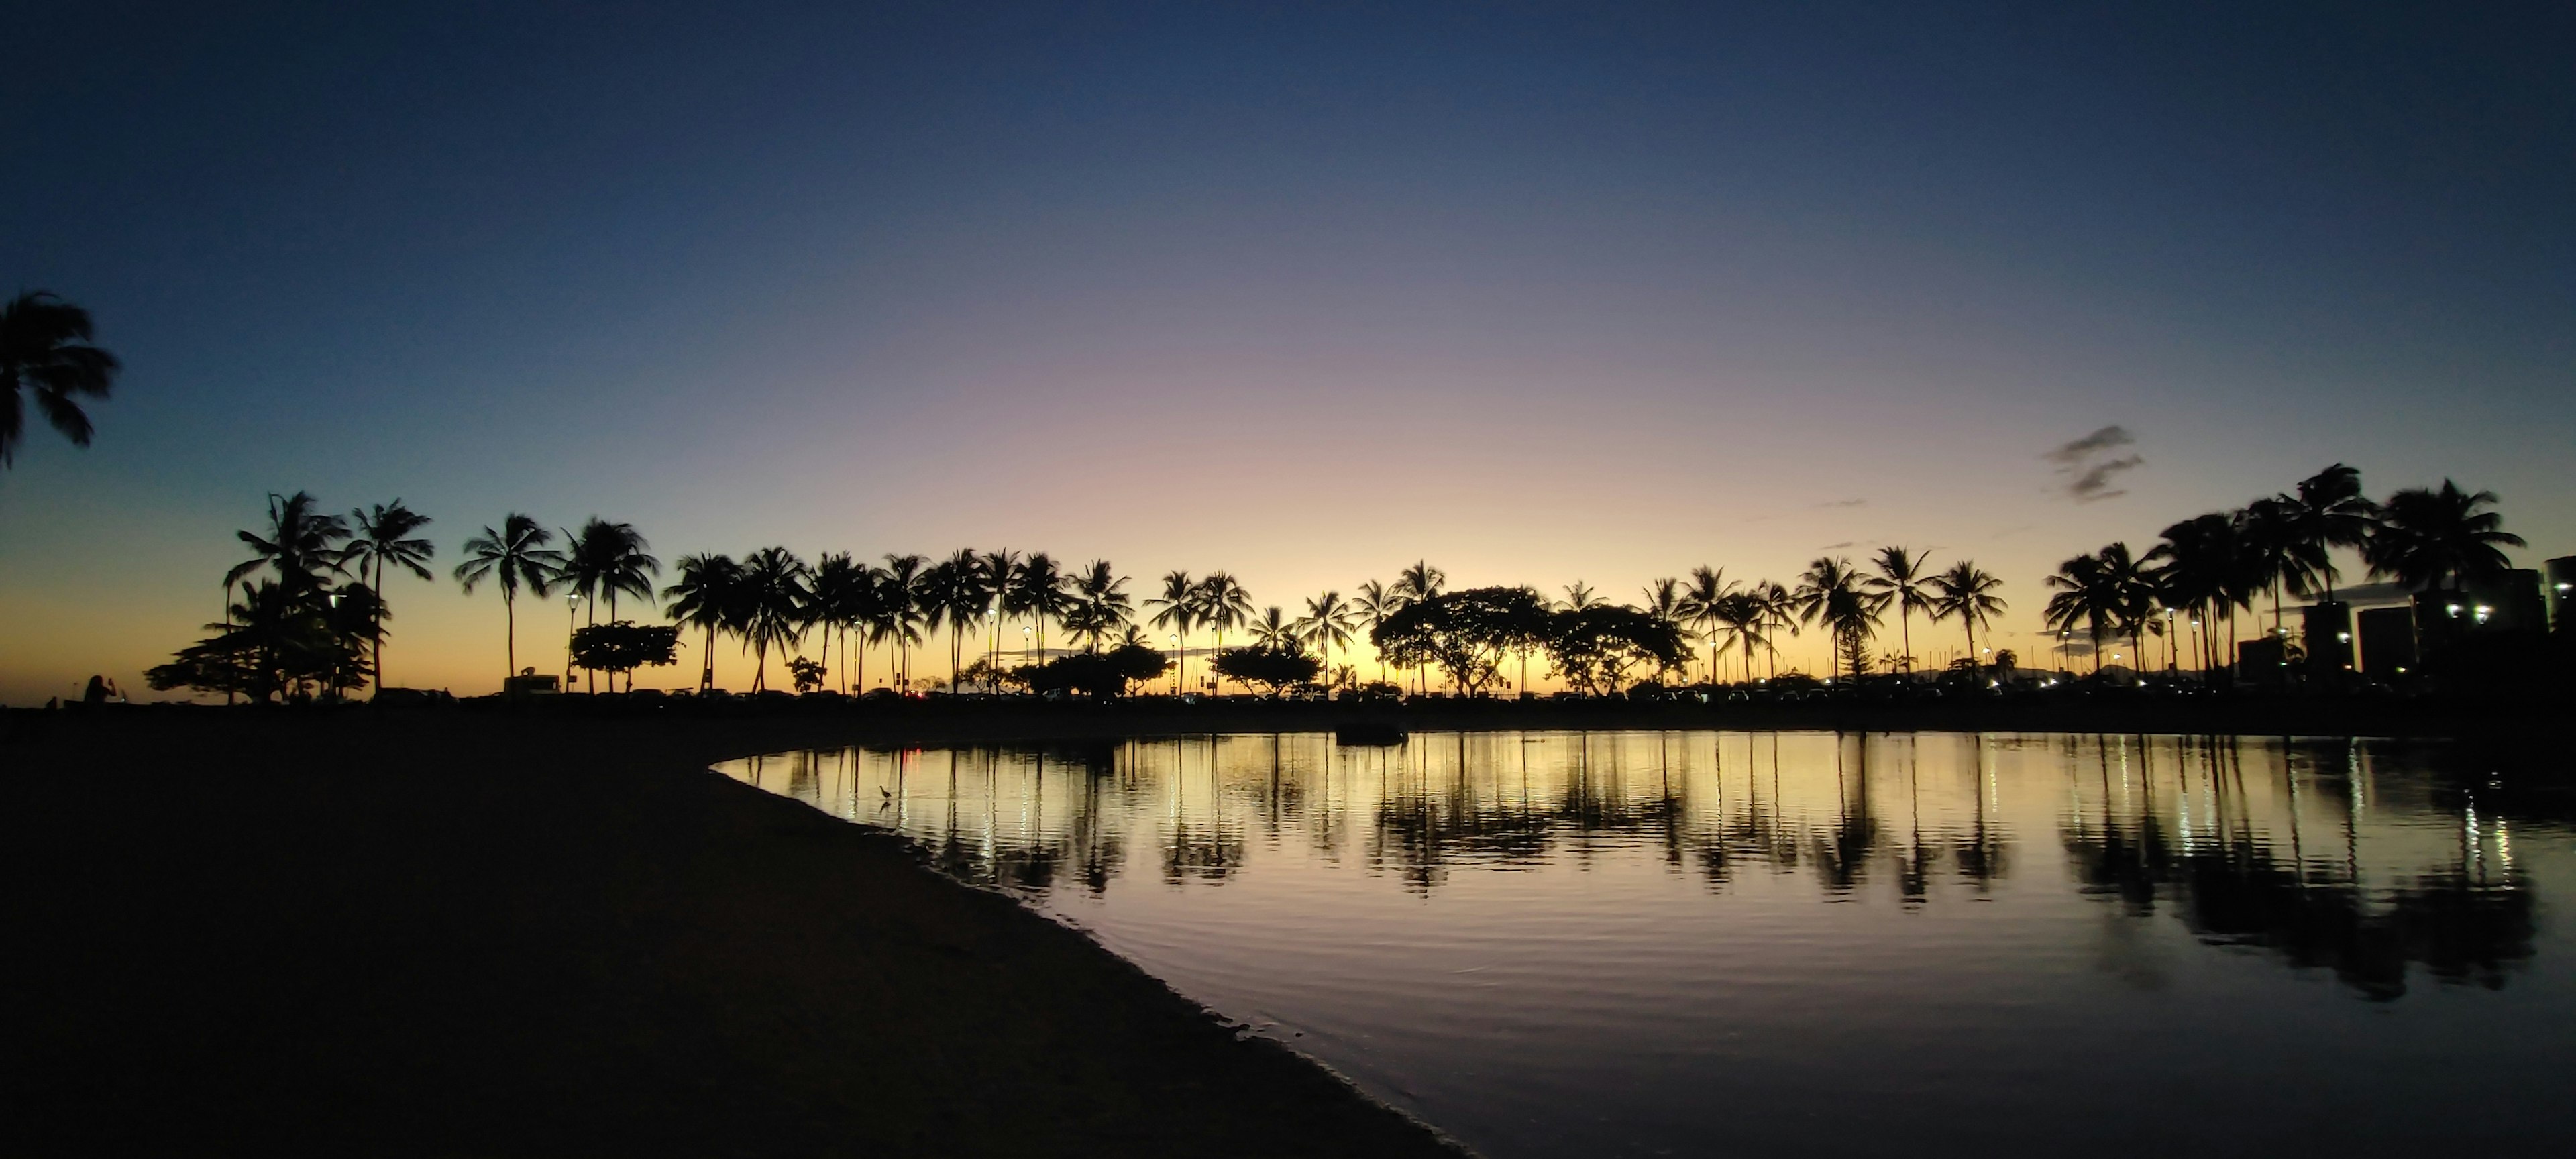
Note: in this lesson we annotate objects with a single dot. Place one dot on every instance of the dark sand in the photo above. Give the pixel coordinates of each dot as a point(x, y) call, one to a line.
point(461, 933)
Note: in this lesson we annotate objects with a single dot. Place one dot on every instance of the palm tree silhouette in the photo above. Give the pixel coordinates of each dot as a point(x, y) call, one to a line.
point(998, 572)
point(953, 594)
point(899, 612)
point(1702, 607)
point(604, 560)
point(1414, 585)
point(300, 544)
point(1040, 596)
point(1099, 605)
point(2278, 553)
point(516, 556)
point(1578, 596)
point(384, 536)
point(2440, 540)
point(1223, 605)
point(1900, 581)
point(2106, 592)
point(1326, 624)
point(1178, 613)
point(1830, 592)
point(1371, 604)
point(1666, 601)
point(45, 350)
point(707, 594)
point(1779, 608)
point(1742, 615)
point(1273, 629)
point(839, 586)
point(775, 597)
point(2329, 511)
point(1967, 592)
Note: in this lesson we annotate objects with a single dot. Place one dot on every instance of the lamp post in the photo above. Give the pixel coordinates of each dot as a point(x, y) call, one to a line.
point(1175, 638)
point(572, 602)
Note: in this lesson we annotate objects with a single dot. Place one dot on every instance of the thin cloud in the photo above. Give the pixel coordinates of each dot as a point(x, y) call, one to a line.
point(1835, 546)
point(1843, 503)
point(2088, 468)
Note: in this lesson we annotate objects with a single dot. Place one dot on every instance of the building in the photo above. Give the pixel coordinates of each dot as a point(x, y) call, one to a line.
point(2559, 575)
point(2387, 642)
point(2325, 630)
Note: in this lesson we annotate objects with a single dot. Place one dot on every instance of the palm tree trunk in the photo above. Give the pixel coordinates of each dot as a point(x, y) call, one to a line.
point(510, 625)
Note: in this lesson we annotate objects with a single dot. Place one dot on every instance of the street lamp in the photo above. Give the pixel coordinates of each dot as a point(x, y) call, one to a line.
point(572, 600)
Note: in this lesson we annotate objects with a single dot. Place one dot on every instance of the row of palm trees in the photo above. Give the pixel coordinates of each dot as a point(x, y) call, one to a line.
point(2428, 539)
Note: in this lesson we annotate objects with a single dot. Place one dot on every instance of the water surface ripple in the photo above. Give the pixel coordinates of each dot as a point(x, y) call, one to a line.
point(1567, 944)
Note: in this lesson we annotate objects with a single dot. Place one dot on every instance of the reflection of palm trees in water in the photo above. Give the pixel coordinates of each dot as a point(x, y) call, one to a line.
point(2230, 886)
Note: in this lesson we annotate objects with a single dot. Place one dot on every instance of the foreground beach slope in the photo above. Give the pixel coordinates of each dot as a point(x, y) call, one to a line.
point(449, 934)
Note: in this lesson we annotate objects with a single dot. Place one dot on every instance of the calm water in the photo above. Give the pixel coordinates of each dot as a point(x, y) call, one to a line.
point(1699, 943)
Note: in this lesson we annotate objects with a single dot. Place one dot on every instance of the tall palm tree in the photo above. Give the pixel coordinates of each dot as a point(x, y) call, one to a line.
point(516, 556)
point(707, 594)
point(1326, 624)
point(1743, 617)
point(999, 570)
point(899, 607)
point(1703, 607)
point(2107, 592)
point(1040, 596)
point(1900, 581)
point(384, 535)
point(1223, 605)
point(775, 596)
point(2279, 553)
point(1176, 610)
point(838, 587)
point(1578, 596)
point(1371, 603)
point(953, 594)
point(2329, 511)
point(1100, 605)
point(1967, 592)
point(1666, 601)
point(1778, 606)
point(605, 560)
point(1830, 592)
point(2440, 540)
point(45, 350)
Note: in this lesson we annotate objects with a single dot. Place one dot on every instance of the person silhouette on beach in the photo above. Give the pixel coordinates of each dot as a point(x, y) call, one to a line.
point(96, 693)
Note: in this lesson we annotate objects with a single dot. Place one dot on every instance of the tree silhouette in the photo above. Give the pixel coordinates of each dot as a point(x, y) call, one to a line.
point(1900, 581)
point(2329, 511)
point(1830, 592)
point(998, 571)
point(1371, 603)
point(775, 596)
point(898, 611)
point(2439, 540)
point(1328, 623)
point(1040, 596)
point(516, 556)
point(708, 595)
point(45, 350)
point(1099, 606)
point(384, 536)
point(1704, 607)
point(1665, 600)
point(604, 560)
point(839, 589)
point(299, 544)
point(1223, 605)
point(1966, 592)
point(1176, 610)
point(2106, 592)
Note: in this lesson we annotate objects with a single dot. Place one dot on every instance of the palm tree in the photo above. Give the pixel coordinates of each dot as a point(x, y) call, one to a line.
point(2279, 554)
point(707, 595)
point(1326, 624)
point(1273, 629)
point(1666, 602)
point(838, 588)
point(1371, 605)
point(301, 545)
point(384, 536)
point(1578, 596)
point(774, 599)
point(604, 560)
point(2439, 540)
point(45, 350)
point(1177, 612)
point(1778, 606)
point(1702, 606)
point(1741, 614)
point(1900, 581)
point(2329, 511)
point(899, 612)
point(516, 556)
point(1419, 582)
point(1099, 605)
point(1223, 605)
point(999, 570)
point(1830, 592)
point(953, 594)
point(2107, 592)
point(1040, 596)
point(1967, 592)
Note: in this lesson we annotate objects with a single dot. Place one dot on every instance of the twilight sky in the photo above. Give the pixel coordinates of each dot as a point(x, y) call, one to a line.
point(1306, 292)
